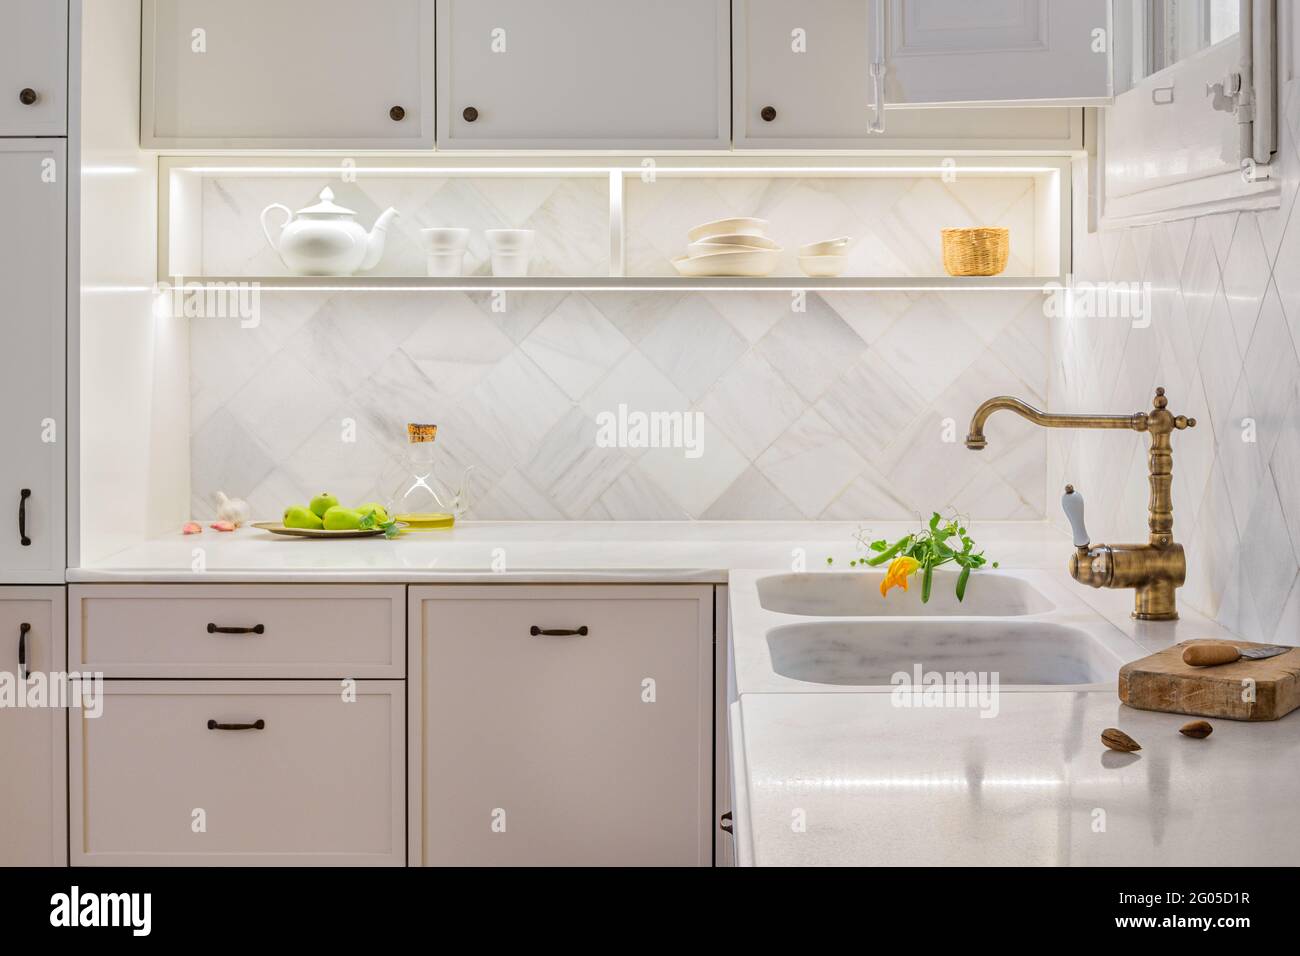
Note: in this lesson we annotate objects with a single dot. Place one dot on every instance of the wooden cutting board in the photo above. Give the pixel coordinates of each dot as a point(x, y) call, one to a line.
point(1163, 682)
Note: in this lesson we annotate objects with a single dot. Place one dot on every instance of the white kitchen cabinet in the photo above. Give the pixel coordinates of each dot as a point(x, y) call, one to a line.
point(33, 67)
point(583, 74)
point(561, 725)
point(33, 751)
point(998, 51)
point(287, 73)
point(33, 267)
point(240, 773)
point(801, 73)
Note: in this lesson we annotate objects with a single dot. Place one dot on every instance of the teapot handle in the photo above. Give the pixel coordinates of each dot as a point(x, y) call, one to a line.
point(288, 215)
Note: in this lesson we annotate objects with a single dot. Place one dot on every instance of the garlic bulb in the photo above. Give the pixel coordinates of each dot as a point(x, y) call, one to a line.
point(234, 510)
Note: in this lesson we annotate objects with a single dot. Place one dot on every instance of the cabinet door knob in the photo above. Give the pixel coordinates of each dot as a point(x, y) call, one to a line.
point(768, 113)
point(470, 114)
point(725, 822)
point(28, 96)
point(397, 114)
point(23, 495)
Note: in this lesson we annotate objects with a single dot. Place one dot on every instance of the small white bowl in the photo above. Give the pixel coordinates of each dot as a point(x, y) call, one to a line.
point(823, 266)
point(444, 265)
point(510, 265)
point(727, 227)
point(748, 263)
point(826, 247)
point(444, 239)
point(509, 240)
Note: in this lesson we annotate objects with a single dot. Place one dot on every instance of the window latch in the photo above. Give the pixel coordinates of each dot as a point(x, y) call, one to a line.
point(1226, 94)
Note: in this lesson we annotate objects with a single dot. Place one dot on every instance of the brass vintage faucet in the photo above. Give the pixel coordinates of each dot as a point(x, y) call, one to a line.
point(1153, 569)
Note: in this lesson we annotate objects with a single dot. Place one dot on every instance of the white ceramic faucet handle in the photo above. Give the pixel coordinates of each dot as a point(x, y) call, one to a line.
point(1072, 505)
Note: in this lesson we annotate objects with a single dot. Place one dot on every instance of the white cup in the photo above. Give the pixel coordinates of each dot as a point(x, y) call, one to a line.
point(511, 251)
point(444, 239)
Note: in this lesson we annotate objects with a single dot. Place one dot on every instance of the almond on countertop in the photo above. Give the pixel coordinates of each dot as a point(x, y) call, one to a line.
point(1200, 729)
point(1116, 739)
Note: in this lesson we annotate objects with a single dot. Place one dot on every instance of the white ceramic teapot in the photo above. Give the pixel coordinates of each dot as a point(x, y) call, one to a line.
point(326, 240)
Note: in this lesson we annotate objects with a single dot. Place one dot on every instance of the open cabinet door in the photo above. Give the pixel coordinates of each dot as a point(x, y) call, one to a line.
point(997, 52)
point(1193, 125)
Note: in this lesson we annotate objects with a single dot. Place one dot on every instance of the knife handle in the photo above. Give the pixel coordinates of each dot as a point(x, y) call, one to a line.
point(1210, 654)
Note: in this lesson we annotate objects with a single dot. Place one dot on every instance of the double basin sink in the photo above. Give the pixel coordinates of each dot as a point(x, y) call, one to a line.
point(833, 631)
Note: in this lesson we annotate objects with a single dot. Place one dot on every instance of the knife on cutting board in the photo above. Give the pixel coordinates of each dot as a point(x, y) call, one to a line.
point(1214, 653)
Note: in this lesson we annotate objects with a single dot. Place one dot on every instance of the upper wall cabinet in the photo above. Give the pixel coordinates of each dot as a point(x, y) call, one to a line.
point(287, 74)
point(33, 67)
point(583, 74)
point(997, 51)
point(803, 72)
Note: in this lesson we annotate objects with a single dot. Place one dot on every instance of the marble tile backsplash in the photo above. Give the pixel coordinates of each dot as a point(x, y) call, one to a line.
point(842, 406)
point(1224, 340)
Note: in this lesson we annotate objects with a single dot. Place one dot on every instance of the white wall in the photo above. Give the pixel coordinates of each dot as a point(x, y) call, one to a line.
point(134, 474)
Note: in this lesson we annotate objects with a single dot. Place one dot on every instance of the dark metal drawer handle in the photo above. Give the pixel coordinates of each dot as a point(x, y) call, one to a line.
point(23, 630)
point(27, 96)
point(724, 822)
point(258, 724)
point(255, 629)
point(558, 631)
point(22, 517)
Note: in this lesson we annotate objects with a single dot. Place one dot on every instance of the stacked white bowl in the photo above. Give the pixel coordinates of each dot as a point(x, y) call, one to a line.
point(825, 258)
point(511, 251)
point(729, 247)
point(445, 247)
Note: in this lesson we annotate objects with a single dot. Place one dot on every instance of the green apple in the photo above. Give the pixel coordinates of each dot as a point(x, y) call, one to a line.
point(342, 519)
point(300, 516)
point(322, 503)
point(380, 512)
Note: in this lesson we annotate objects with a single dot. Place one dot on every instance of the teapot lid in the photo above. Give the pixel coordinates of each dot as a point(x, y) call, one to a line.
point(326, 206)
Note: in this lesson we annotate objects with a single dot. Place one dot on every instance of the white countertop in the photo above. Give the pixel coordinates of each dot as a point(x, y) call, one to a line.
point(881, 785)
point(536, 551)
point(876, 784)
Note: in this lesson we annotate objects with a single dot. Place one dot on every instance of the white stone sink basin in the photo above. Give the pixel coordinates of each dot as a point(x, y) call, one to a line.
point(828, 632)
point(862, 654)
point(857, 594)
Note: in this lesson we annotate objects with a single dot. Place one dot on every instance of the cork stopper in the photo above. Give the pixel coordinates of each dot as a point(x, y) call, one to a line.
point(421, 433)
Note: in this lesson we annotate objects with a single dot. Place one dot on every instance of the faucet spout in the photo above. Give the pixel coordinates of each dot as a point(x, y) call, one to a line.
point(976, 441)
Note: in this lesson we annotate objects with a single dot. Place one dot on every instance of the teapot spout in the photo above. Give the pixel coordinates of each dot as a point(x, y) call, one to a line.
point(376, 237)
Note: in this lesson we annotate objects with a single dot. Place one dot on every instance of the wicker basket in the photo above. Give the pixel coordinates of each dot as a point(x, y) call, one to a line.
point(975, 252)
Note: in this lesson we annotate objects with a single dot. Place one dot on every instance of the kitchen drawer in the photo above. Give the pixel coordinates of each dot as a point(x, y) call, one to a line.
point(569, 759)
point(270, 630)
point(321, 783)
